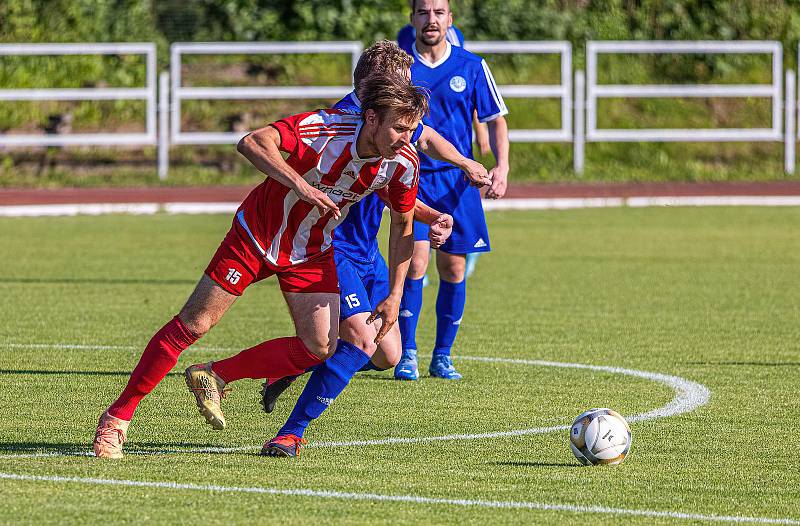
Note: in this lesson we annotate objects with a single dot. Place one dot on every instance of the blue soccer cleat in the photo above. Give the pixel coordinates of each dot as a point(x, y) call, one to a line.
point(442, 367)
point(407, 368)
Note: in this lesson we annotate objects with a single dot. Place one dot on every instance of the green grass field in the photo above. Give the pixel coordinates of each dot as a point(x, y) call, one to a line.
point(708, 295)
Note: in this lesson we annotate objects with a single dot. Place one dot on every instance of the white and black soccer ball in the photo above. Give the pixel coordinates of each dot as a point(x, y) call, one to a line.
point(600, 436)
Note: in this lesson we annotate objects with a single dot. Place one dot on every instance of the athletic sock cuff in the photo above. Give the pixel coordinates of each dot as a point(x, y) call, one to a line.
point(413, 285)
point(347, 360)
point(300, 356)
point(182, 333)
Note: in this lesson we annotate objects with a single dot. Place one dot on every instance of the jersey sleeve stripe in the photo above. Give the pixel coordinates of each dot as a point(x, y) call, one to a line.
point(411, 155)
point(413, 171)
point(490, 118)
point(498, 99)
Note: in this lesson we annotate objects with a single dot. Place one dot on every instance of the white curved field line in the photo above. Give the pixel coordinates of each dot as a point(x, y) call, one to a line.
point(411, 499)
point(688, 397)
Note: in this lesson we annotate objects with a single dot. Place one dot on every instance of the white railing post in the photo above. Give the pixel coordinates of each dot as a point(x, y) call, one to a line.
point(580, 116)
point(790, 135)
point(163, 125)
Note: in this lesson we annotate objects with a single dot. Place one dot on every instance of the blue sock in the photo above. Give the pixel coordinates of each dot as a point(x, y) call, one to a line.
point(449, 309)
point(325, 384)
point(410, 307)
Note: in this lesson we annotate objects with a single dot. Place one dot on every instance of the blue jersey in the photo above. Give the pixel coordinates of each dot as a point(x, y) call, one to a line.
point(460, 83)
point(408, 35)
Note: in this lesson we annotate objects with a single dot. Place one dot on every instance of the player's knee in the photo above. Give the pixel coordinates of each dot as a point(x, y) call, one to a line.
point(322, 348)
point(418, 267)
point(363, 340)
point(355, 331)
point(198, 323)
point(452, 275)
point(452, 269)
point(366, 344)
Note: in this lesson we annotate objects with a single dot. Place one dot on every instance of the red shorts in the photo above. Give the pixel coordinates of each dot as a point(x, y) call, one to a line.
point(237, 264)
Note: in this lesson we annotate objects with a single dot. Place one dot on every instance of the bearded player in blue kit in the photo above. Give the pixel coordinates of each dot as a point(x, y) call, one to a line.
point(460, 83)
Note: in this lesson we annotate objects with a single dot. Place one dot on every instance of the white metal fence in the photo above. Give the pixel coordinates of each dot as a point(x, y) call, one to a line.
point(562, 91)
point(146, 93)
point(596, 91)
point(173, 93)
point(181, 93)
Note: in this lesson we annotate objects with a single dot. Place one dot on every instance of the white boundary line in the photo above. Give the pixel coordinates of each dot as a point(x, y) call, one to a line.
point(543, 203)
point(688, 397)
point(411, 499)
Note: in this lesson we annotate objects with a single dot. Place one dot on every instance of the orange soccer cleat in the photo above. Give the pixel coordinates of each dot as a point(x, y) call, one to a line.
point(284, 446)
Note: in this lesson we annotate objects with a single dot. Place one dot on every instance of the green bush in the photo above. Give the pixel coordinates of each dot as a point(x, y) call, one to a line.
point(167, 21)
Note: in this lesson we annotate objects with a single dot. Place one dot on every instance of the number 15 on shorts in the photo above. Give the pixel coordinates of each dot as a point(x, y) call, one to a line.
point(352, 301)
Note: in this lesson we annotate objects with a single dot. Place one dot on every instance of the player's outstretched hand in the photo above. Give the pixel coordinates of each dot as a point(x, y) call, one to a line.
point(476, 173)
point(320, 199)
point(388, 310)
point(499, 175)
point(440, 230)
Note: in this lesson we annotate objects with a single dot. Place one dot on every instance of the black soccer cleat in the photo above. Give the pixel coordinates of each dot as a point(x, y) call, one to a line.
point(271, 391)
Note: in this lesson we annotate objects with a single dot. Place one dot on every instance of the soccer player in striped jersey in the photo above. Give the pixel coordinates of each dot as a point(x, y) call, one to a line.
point(460, 84)
point(363, 275)
point(285, 228)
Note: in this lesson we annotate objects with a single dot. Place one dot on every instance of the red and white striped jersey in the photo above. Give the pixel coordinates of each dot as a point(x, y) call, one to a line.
point(322, 149)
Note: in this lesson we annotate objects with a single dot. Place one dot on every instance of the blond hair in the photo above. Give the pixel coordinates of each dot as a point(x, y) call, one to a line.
point(385, 93)
point(380, 58)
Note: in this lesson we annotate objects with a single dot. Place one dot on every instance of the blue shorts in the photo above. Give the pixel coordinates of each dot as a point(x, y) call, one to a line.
point(361, 285)
point(448, 191)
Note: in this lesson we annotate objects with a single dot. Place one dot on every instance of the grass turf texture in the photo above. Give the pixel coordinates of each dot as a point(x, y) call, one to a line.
point(707, 294)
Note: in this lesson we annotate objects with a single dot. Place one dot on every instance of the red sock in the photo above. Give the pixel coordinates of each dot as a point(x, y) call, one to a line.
point(158, 358)
point(273, 359)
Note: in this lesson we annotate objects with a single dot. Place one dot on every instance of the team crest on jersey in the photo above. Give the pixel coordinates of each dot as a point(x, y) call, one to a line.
point(458, 84)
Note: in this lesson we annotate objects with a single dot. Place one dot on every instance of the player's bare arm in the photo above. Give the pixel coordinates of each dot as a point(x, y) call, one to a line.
point(498, 139)
point(261, 148)
point(401, 246)
point(481, 134)
point(431, 143)
point(441, 224)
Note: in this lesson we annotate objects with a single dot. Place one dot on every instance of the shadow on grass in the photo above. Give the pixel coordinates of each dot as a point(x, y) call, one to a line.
point(133, 448)
point(367, 376)
point(521, 464)
point(750, 364)
point(78, 373)
point(101, 281)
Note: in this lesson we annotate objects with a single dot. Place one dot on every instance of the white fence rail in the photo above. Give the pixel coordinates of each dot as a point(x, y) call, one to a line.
point(578, 127)
point(773, 91)
point(180, 93)
point(595, 91)
point(562, 91)
point(146, 93)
